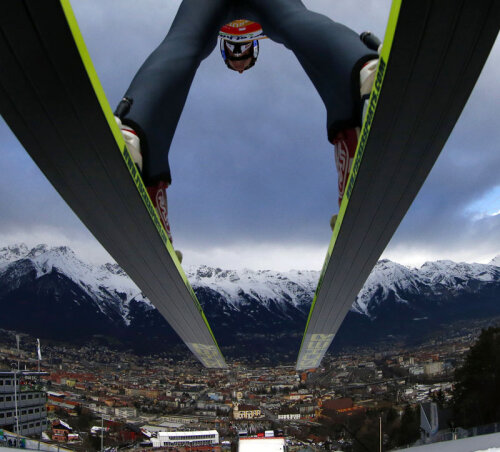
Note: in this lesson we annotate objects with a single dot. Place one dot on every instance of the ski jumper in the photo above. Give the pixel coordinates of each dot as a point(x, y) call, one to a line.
point(330, 53)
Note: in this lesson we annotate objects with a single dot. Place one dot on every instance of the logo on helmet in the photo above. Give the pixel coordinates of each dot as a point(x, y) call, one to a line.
point(239, 42)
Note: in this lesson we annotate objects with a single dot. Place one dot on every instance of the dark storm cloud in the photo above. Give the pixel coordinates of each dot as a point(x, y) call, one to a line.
point(467, 170)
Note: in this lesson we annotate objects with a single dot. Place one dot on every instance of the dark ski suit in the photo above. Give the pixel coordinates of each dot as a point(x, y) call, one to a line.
point(330, 53)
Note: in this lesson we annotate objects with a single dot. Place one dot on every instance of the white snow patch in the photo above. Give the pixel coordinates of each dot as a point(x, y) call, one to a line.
point(106, 283)
point(265, 285)
point(386, 277)
point(97, 281)
point(13, 253)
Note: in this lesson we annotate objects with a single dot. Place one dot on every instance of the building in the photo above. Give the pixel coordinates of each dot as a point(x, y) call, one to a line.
point(289, 413)
point(125, 412)
point(241, 411)
point(261, 445)
point(416, 370)
point(344, 406)
point(130, 433)
point(343, 403)
point(308, 410)
point(192, 439)
point(61, 431)
point(433, 368)
point(63, 403)
point(31, 410)
point(432, 420)
point(288, 416)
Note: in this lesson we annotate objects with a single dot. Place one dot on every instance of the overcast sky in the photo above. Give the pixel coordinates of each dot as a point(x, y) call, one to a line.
point(254, 181)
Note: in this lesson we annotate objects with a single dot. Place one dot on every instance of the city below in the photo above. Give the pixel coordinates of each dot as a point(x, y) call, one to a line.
point(96, 397)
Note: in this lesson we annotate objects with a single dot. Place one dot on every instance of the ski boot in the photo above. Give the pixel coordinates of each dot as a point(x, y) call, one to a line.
point(368, 71)
point(158, 195)
point(158, 192)
point(345, 142)
point(132, 142)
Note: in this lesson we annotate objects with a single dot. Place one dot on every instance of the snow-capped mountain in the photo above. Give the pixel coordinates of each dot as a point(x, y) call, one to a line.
point(294, 286)
point(434, 280)
point(52, 293)
point(13, 253)
point(108, 286)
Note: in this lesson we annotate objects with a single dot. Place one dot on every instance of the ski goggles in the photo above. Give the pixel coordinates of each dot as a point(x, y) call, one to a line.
point(235, 51)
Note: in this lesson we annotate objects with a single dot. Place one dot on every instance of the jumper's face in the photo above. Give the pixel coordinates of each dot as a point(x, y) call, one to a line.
point(240, 65)
point(239, 60)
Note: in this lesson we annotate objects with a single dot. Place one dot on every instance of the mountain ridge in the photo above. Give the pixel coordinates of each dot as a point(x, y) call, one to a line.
point(247, 309)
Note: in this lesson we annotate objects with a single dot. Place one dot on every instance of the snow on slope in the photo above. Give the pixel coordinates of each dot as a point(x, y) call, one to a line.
point(496, 261)
point(99, 282)
point(455, 274)
point(13, 253)
point(385, 277)
point(108, 283)
point(437, 277)
point(262, 284)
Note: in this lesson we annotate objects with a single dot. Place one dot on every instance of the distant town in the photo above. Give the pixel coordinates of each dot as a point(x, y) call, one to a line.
point(97, 397)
